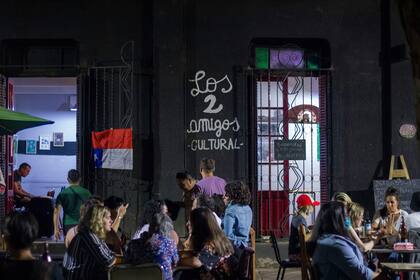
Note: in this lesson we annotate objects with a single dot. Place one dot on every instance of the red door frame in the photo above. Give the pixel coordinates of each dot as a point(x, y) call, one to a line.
point(9, 154)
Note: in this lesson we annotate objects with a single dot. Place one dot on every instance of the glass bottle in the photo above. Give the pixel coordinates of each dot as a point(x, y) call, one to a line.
point(403, 230)
point(368, 226)
point(46, 255)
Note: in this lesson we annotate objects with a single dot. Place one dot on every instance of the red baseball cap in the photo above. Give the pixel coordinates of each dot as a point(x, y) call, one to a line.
point(305, 200)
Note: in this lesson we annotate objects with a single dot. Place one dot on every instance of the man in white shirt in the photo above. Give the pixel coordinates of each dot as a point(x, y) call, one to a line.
point(413, 219)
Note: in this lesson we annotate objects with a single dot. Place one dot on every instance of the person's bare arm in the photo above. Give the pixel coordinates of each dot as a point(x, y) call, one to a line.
point(56, 220)
point(364, 247)
point(18, 189)
point(121, 212)
point(190, 262)
point(308, 236)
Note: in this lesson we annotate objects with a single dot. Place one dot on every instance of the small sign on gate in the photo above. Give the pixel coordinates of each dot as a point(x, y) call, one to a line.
point(289, 149)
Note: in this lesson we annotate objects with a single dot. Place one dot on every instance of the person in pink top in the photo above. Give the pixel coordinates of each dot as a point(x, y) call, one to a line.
point(210, 184)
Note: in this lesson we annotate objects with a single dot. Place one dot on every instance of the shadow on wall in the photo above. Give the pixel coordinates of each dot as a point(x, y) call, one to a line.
point(366, 199)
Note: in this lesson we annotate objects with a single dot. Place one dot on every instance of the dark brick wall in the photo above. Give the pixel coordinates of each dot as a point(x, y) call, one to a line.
point(216, 35)
point(176, 38)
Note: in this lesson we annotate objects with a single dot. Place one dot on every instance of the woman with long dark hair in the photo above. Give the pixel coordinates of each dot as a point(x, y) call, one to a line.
point(336, 256)
point(211, 248)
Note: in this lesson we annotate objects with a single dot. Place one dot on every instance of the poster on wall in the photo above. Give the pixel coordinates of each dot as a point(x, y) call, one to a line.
point(31, 146)
point(58, 139)
point(44, 142)
point(15, 144)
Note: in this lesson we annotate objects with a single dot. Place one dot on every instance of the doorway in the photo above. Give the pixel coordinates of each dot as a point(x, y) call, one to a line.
point(51, 150)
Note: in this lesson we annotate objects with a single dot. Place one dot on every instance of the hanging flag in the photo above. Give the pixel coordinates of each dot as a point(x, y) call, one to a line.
point(113, 148)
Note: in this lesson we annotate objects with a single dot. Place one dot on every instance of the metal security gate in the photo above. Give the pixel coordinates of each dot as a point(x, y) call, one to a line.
point(3, 148)
point(289, 102)
point(6, 150)
point(108, 100)
point(106, 95)
point(288, 112)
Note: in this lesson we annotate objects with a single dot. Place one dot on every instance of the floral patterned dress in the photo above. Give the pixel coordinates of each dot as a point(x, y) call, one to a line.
point(156, 249)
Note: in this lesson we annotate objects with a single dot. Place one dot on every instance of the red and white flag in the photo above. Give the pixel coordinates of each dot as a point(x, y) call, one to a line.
point(113, 148)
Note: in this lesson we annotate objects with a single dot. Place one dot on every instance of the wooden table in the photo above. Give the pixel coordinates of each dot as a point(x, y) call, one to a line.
point(402, 267)
point(55, 257)
point(389, 251)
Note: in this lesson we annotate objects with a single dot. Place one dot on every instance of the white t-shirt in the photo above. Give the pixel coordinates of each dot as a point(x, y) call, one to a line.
point(413, 220)
point(139, 231)
point(382, 221)
point(218, 220)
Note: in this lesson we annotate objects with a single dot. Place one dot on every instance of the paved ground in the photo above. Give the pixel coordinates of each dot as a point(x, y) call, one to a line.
point(271, 273)
point(267, 265)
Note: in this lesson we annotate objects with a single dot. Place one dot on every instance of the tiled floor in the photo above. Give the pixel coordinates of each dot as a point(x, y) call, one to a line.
point(271, 273)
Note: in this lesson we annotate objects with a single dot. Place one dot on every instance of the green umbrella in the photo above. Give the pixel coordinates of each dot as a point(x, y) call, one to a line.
point(12, 122)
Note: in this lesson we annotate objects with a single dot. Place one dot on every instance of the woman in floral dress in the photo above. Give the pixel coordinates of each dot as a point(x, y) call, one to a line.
point(155, 246)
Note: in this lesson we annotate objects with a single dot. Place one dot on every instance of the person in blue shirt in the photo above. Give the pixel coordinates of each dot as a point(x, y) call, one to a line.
point(238, 215)
point(336, 256)
point(305, 206)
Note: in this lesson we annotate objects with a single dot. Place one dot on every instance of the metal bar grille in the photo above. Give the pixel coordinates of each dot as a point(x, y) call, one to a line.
point(300, 96)
point(324, 131)
point(3, 143)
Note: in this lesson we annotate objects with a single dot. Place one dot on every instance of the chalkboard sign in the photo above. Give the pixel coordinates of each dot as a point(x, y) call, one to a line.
point(289, 150)
point(404, 187)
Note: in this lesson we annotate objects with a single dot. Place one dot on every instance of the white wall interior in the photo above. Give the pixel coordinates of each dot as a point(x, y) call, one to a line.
point(47, 98)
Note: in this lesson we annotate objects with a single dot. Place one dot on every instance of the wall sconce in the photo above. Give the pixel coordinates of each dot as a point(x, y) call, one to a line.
point(408, 131)
point(70, 104)
point(73, 103)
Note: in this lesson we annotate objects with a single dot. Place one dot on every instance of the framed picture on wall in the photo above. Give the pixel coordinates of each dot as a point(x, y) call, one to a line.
point(58, 139)
point(31, 146)
point(44, 142)
point(15, 146)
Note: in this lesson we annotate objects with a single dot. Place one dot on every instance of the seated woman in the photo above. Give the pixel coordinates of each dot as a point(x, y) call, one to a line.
point(305, 205)
point(387, 220)
point(21, 232)
point(155, 246)
point(356, 213)
point(151, 208)
point(347, 202)
point(238, 215)
point(71, 233)
point(203, 200)
point(413, 219)
point(219, 205)
point(116, 239)
point(88, 257)
point(210, 247)
point(336, 256)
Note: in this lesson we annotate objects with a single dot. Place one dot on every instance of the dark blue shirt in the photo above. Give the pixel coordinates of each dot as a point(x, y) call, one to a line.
point(337, 257)
point(294, 245)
